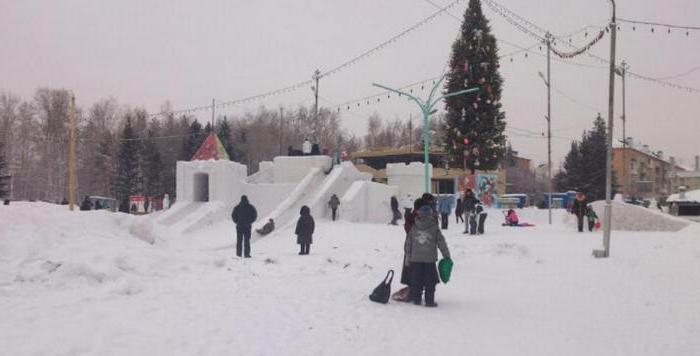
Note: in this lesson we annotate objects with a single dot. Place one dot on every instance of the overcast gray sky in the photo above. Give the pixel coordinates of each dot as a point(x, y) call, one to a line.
point(145, 52)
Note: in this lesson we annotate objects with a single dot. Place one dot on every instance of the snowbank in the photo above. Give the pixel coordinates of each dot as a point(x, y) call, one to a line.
point(78, 283)
point(368, 202)
point(629, 217)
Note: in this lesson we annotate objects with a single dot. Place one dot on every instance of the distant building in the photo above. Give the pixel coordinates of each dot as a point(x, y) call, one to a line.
point(444, 179)
point(643, 174)
point(690, 180)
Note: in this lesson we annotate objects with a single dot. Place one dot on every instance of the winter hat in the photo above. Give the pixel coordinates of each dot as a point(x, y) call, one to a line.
point(425, 210)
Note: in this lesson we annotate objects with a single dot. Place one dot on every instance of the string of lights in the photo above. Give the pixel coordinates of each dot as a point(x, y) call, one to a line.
point(521, 23)
point(308, 83)
point(659, 24)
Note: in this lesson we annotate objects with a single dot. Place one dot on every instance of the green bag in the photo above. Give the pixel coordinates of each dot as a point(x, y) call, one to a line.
point(445, 269)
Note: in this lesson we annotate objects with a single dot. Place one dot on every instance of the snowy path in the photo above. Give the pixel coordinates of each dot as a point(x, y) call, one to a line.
point(524, 291)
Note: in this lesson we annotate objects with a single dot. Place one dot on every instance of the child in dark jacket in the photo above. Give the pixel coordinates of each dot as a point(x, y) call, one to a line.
point(591, 217)
point(421, 247)
point(305, 230)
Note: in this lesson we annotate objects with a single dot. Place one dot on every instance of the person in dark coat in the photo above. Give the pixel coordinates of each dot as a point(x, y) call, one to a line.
point(305, 230)
point(480, 218)
point(86, 204)
point(420, 248)
point(459, 211)
point(430, 200)
point(395, 212)
point(469, 206)
point(578, 208)
point(243, 215)
point(333, 204)
point(267, 228)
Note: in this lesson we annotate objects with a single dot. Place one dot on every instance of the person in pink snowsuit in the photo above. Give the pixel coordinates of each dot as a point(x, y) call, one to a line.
point(512, 218)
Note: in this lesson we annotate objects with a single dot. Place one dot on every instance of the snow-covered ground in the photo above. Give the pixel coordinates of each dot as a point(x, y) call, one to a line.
point(81, 284)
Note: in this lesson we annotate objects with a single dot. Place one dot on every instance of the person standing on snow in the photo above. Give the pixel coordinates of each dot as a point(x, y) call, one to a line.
point(479, 218)
point(333, 204)
point(445, 208)
point(421, 247)
point(305, 230)
point(459, 211)
point(469, 203)
point(166, 201)
point(591, 216)
point(407, 206)
point(306, 147)
point(86, 204)
point(243, 215)
point(578, 208)
point(395, 213)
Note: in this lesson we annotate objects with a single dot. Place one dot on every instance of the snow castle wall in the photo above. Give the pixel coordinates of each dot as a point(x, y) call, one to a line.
point(367, 202)
point(293, 169)
point(225, 179)
point(409, 178)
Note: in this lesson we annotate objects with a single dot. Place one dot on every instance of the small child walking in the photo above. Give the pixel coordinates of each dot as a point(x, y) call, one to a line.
point(591, 216)
point(305, 230)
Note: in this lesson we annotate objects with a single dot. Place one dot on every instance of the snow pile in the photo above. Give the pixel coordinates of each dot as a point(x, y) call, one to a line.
point(80, 284)
point(629, 217)
point(689, 196)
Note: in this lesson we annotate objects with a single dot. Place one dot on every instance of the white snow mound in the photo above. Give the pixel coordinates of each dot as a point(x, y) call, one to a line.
point(628, 217)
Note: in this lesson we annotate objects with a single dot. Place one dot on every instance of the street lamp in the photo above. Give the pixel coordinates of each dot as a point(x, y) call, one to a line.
point(427, 108)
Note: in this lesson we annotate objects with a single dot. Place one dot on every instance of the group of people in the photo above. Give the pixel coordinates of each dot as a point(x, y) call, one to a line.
point(468, 206)
point(244, 215)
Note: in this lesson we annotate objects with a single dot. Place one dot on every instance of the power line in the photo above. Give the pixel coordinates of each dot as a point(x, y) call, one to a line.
point(306, 83)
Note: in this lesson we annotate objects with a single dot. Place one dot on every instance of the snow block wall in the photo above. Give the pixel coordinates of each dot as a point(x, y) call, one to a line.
point(408, 177)
point(222, 180)
point(336, 182)
point(367, 201)
point(628, 217)
point(288, 169)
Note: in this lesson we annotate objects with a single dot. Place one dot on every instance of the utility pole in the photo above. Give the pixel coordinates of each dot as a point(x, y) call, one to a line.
point(548, 36)
point(621, 72)
point(608, 156)
point(213, 111)
point(281, 127)
point(316, 77)
point(547, 82)
point(72, 176)
point(427, 108)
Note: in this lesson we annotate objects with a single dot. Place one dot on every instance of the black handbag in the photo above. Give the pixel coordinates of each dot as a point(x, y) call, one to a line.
point(382, 293)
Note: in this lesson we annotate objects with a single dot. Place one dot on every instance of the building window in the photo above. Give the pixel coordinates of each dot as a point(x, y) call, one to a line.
point(443, 186)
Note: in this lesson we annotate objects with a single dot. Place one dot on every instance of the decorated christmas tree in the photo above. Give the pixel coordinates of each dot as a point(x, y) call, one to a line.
point(475, 122)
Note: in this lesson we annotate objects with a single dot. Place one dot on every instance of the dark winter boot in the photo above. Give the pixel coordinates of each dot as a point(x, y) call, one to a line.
point(430, 297)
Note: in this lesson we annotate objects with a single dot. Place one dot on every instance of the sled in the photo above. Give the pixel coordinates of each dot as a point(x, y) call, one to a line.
point(520, 225)
point(402, 295)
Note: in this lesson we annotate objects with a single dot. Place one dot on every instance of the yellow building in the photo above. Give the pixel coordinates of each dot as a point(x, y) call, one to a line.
point(642, 174)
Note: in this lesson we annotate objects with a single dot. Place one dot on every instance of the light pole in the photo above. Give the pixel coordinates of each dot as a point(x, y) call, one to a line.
point(608, 156)
point(316, 77)
point(622, 71)
point(427, 108)
point(547, 82)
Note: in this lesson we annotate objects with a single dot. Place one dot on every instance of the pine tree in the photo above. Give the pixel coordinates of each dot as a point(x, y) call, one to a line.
point(475, 122)
point(152, 164)
point(128, 181)
point(192, 142)
point(4, 175)
point(224, 132)
point(584, 165)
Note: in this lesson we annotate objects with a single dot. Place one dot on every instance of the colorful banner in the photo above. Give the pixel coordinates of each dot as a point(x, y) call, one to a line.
point(487, 188)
